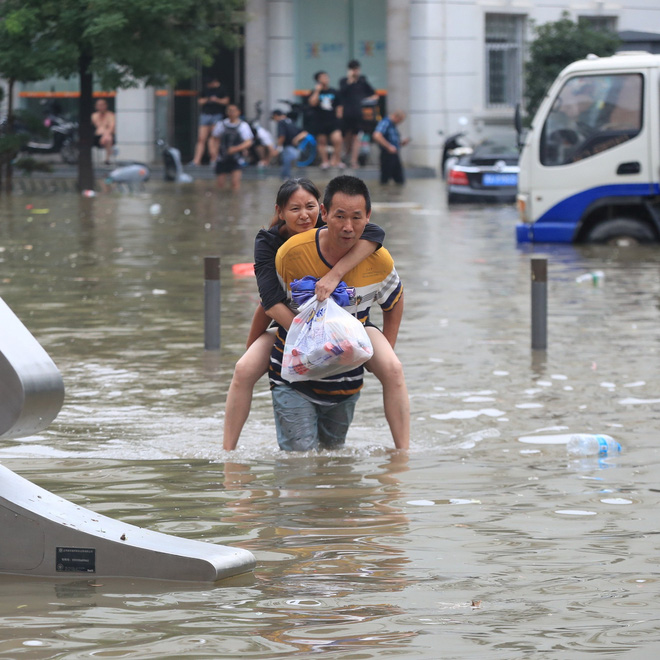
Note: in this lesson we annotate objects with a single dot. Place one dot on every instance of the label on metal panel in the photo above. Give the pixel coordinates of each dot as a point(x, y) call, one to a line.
point(78, 560)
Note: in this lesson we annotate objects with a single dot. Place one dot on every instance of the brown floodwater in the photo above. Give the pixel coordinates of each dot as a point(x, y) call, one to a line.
point(485, 540)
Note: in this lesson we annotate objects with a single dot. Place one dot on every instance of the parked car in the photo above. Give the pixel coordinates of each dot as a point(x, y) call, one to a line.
point(489, 173)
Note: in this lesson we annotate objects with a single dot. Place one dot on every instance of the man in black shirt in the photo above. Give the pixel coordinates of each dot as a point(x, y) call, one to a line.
point(354, 90)
point(325, 125)
point(213, 99)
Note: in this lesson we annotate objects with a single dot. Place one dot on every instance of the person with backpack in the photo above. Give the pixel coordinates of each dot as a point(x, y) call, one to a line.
point(234, 136)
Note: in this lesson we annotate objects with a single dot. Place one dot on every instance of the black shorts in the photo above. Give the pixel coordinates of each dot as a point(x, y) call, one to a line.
point(97, 140)
point(351, 124)
point(326, 127)
point(227, 165)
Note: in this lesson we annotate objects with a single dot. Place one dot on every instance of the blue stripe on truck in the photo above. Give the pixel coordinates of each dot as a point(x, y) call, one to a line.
point(558, 224)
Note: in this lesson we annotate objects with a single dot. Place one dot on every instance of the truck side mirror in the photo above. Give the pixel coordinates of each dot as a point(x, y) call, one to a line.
point(517, 122)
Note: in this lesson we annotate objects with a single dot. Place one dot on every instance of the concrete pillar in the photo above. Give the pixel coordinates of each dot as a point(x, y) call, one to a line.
point(136, 112)
point(256, 56)
point(281, 53)
point(398, 55)
point(427, 82)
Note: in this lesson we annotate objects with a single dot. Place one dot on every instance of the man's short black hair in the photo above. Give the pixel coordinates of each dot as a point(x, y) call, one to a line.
point(278, 113)
point(354, 64)
point(348, 185)
point(318, 74)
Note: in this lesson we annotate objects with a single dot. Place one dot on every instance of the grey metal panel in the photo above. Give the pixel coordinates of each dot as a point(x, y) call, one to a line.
point(51, 528)
point(31, 386)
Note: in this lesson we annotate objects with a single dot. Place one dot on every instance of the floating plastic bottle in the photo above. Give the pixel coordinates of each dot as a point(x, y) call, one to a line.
point(586, 444)
point(595, 277)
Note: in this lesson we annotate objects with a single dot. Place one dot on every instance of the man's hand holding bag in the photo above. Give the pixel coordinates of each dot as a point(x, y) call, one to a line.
point(323, 340)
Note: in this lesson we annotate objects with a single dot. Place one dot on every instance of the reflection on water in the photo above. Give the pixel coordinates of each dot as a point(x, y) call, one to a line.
point(487, 539)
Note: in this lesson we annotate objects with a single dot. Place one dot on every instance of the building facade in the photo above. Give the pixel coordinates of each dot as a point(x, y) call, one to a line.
point(449, 64)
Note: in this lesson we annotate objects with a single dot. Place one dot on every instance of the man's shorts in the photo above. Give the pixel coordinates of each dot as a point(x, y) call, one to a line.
point(351, 124)
point(227, 165)
point(97, 140)
point(326, 127)
point(210, 120)
point(305, 426)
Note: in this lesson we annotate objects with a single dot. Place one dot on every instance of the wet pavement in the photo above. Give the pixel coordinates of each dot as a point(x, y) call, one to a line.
point(485, 540)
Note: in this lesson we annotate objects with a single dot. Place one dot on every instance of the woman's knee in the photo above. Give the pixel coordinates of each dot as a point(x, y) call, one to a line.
point(387, 368)
point(247, 371)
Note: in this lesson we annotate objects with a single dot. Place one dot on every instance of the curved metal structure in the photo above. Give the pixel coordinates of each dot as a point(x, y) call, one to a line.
point(44, 535)
point(31, 386)
point(47, 536)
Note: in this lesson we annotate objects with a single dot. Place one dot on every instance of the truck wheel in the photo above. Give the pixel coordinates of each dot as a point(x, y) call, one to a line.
point(622, 232)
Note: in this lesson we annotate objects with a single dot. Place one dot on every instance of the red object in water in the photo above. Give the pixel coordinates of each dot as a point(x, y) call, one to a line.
point(243, 270)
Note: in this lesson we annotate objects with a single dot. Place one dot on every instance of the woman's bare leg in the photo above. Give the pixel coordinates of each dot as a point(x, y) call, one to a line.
point(385, 365)
point(249, 369)
point(203, 133)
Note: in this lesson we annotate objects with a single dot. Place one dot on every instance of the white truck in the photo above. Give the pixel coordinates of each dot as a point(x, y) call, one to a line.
point(590, 164)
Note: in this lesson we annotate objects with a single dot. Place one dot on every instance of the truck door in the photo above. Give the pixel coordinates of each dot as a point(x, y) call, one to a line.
point(594, 143)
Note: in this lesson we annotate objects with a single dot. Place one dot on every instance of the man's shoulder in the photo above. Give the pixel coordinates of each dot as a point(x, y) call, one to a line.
point(298, 249)
point(381, 257)
point(383, 124)
point(300, 241)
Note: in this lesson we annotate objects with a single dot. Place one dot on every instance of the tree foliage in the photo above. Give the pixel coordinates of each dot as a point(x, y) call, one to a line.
point(119, 43)
point(555, 46)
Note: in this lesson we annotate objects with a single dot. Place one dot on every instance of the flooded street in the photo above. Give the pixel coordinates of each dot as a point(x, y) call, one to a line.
point(485, 540)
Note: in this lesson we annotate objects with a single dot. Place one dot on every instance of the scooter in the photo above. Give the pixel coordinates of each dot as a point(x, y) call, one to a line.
point(173, 168)
point(63, 137)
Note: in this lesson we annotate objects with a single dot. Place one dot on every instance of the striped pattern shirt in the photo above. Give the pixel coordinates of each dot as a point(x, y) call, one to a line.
point(375, 280)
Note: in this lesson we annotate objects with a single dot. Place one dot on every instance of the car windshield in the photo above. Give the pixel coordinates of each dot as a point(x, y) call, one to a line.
point(503, 147)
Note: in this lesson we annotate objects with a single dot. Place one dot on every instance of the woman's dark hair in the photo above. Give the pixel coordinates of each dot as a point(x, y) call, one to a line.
point(284, 195)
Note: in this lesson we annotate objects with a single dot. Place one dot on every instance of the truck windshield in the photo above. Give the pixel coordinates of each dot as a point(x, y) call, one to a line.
point(592, 114)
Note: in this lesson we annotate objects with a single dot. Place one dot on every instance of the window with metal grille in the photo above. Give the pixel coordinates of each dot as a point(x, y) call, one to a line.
point(600, 23)
point(504, 49)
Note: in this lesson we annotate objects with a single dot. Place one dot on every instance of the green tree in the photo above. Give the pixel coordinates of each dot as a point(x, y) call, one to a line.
point(555, 46)
point(125, 43)
point(19, 62)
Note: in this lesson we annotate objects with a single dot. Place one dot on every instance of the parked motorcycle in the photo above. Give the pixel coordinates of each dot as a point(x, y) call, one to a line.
point(62, 137)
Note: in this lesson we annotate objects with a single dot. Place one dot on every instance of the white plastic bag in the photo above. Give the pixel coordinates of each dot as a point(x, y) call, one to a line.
point(323, 340)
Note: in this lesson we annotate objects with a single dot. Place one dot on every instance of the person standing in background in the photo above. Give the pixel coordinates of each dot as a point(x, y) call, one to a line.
point(325, 125)
point(388, 139)
point(213, 101)
point(354, 89)
point(234, 136)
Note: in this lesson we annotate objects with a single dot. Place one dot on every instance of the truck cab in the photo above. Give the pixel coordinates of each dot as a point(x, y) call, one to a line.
point(590, 163)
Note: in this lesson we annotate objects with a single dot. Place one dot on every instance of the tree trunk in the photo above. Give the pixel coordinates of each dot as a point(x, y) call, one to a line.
point(9, 172)
point(86, 132)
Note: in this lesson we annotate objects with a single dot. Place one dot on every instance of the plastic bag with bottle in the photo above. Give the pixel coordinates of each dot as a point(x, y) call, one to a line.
point(323, 340)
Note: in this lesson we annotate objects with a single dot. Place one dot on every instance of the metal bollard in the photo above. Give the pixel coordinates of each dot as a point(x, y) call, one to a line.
point(539, 303)
point(211, 303)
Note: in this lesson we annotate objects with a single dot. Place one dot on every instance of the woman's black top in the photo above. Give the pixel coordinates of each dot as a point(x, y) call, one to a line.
point(266, 245)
